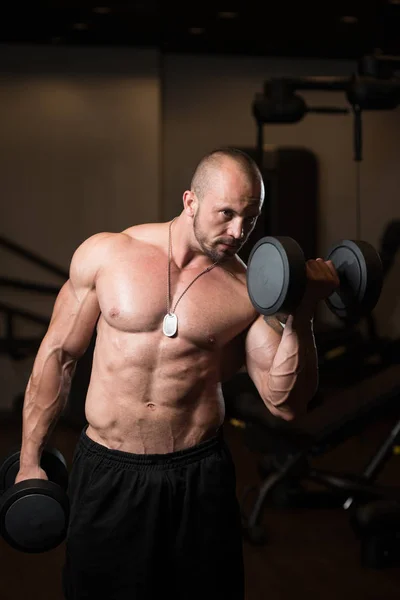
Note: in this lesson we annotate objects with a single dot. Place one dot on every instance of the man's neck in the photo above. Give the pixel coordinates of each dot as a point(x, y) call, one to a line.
point(186, 252)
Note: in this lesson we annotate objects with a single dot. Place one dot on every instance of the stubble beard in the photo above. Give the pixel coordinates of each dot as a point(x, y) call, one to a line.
point(211, 250)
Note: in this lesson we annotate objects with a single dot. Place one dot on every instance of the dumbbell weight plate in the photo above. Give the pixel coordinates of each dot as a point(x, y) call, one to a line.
point(276, 275)
point(34, 515)
point(8, 470)
point(360, 272)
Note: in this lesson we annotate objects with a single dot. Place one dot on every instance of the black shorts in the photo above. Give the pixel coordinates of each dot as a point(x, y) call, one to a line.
point(144, 527)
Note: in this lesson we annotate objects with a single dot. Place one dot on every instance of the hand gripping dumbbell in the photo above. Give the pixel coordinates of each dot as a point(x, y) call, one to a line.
point(34, 513)
point(276, 277)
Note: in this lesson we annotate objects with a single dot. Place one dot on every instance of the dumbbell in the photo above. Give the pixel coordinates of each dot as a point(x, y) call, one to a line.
point(276, 277)
point(34, 513)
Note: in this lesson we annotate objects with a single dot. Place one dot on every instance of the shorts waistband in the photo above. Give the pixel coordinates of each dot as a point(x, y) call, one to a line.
point(169, 459)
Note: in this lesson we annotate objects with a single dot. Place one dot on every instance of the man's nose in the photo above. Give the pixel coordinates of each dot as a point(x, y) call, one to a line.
point(236, 229)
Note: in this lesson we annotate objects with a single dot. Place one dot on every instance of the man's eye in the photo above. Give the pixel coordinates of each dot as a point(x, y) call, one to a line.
point(227, 213)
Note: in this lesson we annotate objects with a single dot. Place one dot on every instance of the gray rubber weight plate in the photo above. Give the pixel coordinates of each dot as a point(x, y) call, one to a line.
point(276, 275)
point(361, 276)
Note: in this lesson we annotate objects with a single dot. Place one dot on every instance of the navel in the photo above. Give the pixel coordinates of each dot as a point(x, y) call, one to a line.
point(151, 406)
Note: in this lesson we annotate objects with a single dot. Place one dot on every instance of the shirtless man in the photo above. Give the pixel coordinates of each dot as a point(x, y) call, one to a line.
point(152, 484)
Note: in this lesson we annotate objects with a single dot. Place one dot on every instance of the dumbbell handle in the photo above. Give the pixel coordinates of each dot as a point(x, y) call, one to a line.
point(52, 462)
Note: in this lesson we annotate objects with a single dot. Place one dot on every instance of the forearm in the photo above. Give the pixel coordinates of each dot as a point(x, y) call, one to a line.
point(293, 378)
point(45, 397)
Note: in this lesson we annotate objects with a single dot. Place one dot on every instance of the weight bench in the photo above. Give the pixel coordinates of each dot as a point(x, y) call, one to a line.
point(286, 448)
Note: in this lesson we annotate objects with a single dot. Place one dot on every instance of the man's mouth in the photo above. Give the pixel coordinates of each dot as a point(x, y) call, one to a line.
point(230, 246)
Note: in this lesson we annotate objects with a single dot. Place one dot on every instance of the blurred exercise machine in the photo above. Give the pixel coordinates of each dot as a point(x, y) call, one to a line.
point(287, 451)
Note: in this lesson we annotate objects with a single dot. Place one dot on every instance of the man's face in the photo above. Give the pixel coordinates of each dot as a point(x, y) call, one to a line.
point(226, 215)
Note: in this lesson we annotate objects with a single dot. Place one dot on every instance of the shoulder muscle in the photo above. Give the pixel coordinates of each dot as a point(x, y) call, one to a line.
point(91, 255)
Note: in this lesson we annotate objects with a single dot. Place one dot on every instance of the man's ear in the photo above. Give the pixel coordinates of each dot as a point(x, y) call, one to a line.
point(190, 203)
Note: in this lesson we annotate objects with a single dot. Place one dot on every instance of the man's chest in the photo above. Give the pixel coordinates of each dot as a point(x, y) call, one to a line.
point(207, 306)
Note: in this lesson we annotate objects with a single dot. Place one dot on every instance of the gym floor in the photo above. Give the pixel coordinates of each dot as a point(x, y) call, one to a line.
point(309, 552)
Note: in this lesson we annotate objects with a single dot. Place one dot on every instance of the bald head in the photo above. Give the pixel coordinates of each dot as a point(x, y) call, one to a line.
point(223, 203)
point(213, 165)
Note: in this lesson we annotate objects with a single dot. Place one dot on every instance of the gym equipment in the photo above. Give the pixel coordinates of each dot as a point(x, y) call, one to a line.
point(288, 172)
point(34, 513)
point(287, 449)
point(390, 244)
point(349, 353)
point(377, 526)
point(373, 87)
point(276, 277)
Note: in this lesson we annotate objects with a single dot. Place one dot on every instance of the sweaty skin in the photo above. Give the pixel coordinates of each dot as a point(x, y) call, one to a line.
point(149, 393)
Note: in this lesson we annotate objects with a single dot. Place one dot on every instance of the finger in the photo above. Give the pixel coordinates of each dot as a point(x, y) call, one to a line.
point(314, 263)
point(320, 270)
point(332, 268)
point(318, 265)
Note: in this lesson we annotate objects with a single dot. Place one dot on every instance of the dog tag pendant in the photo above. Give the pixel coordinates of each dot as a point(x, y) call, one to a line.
point(170, 324)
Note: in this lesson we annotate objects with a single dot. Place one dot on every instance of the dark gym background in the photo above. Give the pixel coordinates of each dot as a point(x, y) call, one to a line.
point(105, 110)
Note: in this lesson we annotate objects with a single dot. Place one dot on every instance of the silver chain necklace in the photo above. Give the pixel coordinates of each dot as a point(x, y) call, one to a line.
point(170, 323)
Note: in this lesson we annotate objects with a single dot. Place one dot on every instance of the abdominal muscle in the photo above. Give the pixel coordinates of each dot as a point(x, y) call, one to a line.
point(150, 394)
